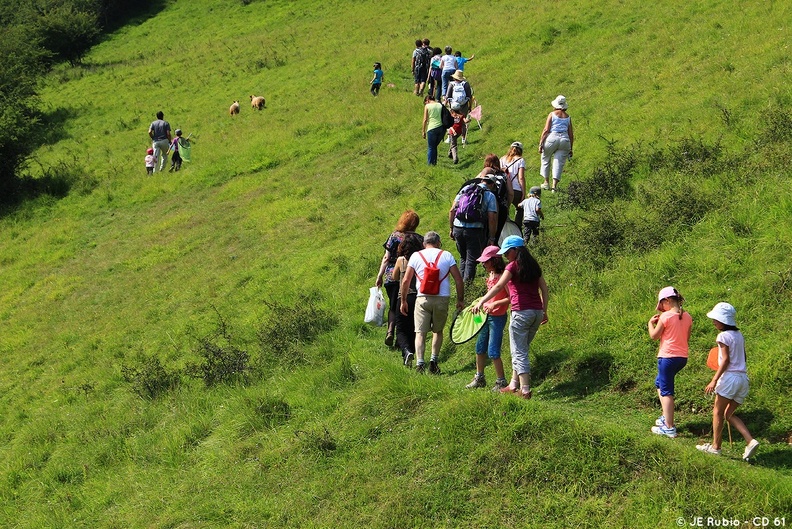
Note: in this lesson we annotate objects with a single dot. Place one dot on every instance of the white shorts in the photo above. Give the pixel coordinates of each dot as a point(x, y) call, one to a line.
point(733, 386)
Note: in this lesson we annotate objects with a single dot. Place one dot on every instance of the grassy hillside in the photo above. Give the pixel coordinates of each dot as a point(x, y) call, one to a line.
point(116, 298)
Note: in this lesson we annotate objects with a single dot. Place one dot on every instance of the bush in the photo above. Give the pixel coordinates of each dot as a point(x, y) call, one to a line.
point(289, 327)
point(67, 32)
point(149, 378)
point(20, 62)
point(221, 361)
point(609, 181)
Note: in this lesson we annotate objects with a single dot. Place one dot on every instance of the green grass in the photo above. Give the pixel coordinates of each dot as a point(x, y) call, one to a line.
point(278, 224)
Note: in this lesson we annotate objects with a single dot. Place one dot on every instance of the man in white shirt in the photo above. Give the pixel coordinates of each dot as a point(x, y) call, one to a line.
point(431, 310)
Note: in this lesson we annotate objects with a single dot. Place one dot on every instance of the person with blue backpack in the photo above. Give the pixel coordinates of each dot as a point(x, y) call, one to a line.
point(474, 222)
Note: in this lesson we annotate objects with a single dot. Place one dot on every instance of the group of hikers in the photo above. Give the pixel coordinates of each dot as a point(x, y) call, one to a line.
point(417, 272)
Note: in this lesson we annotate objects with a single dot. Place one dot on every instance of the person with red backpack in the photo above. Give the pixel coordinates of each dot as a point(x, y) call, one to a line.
point(431, 266)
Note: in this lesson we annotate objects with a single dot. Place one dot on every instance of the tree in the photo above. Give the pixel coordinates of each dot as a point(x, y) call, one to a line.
point(20, 68)
point(67, 31)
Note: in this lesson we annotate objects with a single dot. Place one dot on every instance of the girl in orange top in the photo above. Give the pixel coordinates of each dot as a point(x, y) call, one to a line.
point(491, 336)
point(672, 327)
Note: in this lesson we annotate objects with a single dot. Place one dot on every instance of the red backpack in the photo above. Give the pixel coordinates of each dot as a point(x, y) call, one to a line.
point(430, 282)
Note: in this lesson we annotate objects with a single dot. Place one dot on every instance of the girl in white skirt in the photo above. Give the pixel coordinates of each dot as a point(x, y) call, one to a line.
point(730, 382)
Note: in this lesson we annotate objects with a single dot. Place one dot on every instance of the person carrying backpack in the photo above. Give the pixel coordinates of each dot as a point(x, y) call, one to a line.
point(422, 56)
point(431, 266)
point(474, 222)
point(459, 96)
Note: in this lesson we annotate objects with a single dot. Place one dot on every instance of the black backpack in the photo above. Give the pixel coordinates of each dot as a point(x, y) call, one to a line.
point(501, 192)
point(422, 58)
point(446, 117)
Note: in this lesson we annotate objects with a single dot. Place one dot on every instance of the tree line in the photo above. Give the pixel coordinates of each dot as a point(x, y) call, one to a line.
point(37, 34)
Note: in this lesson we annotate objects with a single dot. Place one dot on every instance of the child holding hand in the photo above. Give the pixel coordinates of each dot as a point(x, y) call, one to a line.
point(491, 336)
point(672, 327)
point(730, 382)
point(528, 296)
point(150, 160)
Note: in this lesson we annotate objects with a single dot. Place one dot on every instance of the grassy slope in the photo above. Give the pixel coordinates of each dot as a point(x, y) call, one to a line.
point(298, 198)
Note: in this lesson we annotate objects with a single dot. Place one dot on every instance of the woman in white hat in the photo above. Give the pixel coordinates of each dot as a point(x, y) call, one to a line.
point(555, 144)
point(730, 381)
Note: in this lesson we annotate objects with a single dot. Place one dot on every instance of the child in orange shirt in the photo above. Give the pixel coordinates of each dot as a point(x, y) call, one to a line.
point(672, 327)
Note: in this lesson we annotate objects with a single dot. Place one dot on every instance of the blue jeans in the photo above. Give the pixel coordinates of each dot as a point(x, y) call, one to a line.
point(522, 329)
point(433, 139)
point(446, 79)
point(491, 336)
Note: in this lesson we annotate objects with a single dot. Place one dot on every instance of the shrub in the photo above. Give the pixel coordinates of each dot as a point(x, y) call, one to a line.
point(676, 198)
point(221, 360)
point(610, 180)
point(20, 61)
point(288, 328)
point(149, 379)
point(67, 32)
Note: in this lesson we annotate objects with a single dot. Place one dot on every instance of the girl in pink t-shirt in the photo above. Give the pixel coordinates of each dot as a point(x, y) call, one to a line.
point(490, 338)
point(672, 327)
point(528, 298)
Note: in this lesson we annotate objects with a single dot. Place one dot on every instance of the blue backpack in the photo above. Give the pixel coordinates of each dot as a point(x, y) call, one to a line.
point(470, 207)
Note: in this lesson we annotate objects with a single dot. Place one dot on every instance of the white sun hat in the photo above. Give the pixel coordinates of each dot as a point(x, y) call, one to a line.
point(724, 313)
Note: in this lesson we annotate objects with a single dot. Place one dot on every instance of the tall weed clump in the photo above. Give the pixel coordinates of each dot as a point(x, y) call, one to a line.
point(288, 328)
point(149, 378)
point(222, 361)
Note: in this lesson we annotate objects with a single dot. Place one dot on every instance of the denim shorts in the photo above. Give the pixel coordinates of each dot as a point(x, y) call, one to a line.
point(667, 368)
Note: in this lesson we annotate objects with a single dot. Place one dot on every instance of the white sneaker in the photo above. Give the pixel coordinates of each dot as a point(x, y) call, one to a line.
point(545, 186)
point(663, 430)
point(478, 382)
point(707, 447)
point(750, 449)
point(660, 421)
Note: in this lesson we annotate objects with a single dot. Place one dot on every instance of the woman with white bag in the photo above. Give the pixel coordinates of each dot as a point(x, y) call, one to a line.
point(408, 222)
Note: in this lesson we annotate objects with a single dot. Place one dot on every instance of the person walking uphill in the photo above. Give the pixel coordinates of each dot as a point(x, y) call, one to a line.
point(432, 128)
point(528, 296)
point(555, 144)
point(431, 266)
point(491, 335)
point(422, 56)
point(407, 223)
point(474, 222)
point(730, 381)
point(672, 327)
point(160, 134)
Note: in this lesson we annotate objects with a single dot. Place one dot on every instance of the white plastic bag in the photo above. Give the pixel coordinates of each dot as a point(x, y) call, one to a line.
point(375, 310)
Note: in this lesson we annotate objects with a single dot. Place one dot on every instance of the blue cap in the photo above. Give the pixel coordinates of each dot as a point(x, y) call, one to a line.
point(512, 241)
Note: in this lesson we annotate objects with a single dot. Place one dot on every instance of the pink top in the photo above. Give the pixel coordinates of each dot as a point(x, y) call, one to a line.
point(523, 296)
point(674, 340)
point(500, 310)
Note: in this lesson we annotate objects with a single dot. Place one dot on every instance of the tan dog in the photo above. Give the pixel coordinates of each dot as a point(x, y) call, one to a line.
point(257, 102)
point(234, 109)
